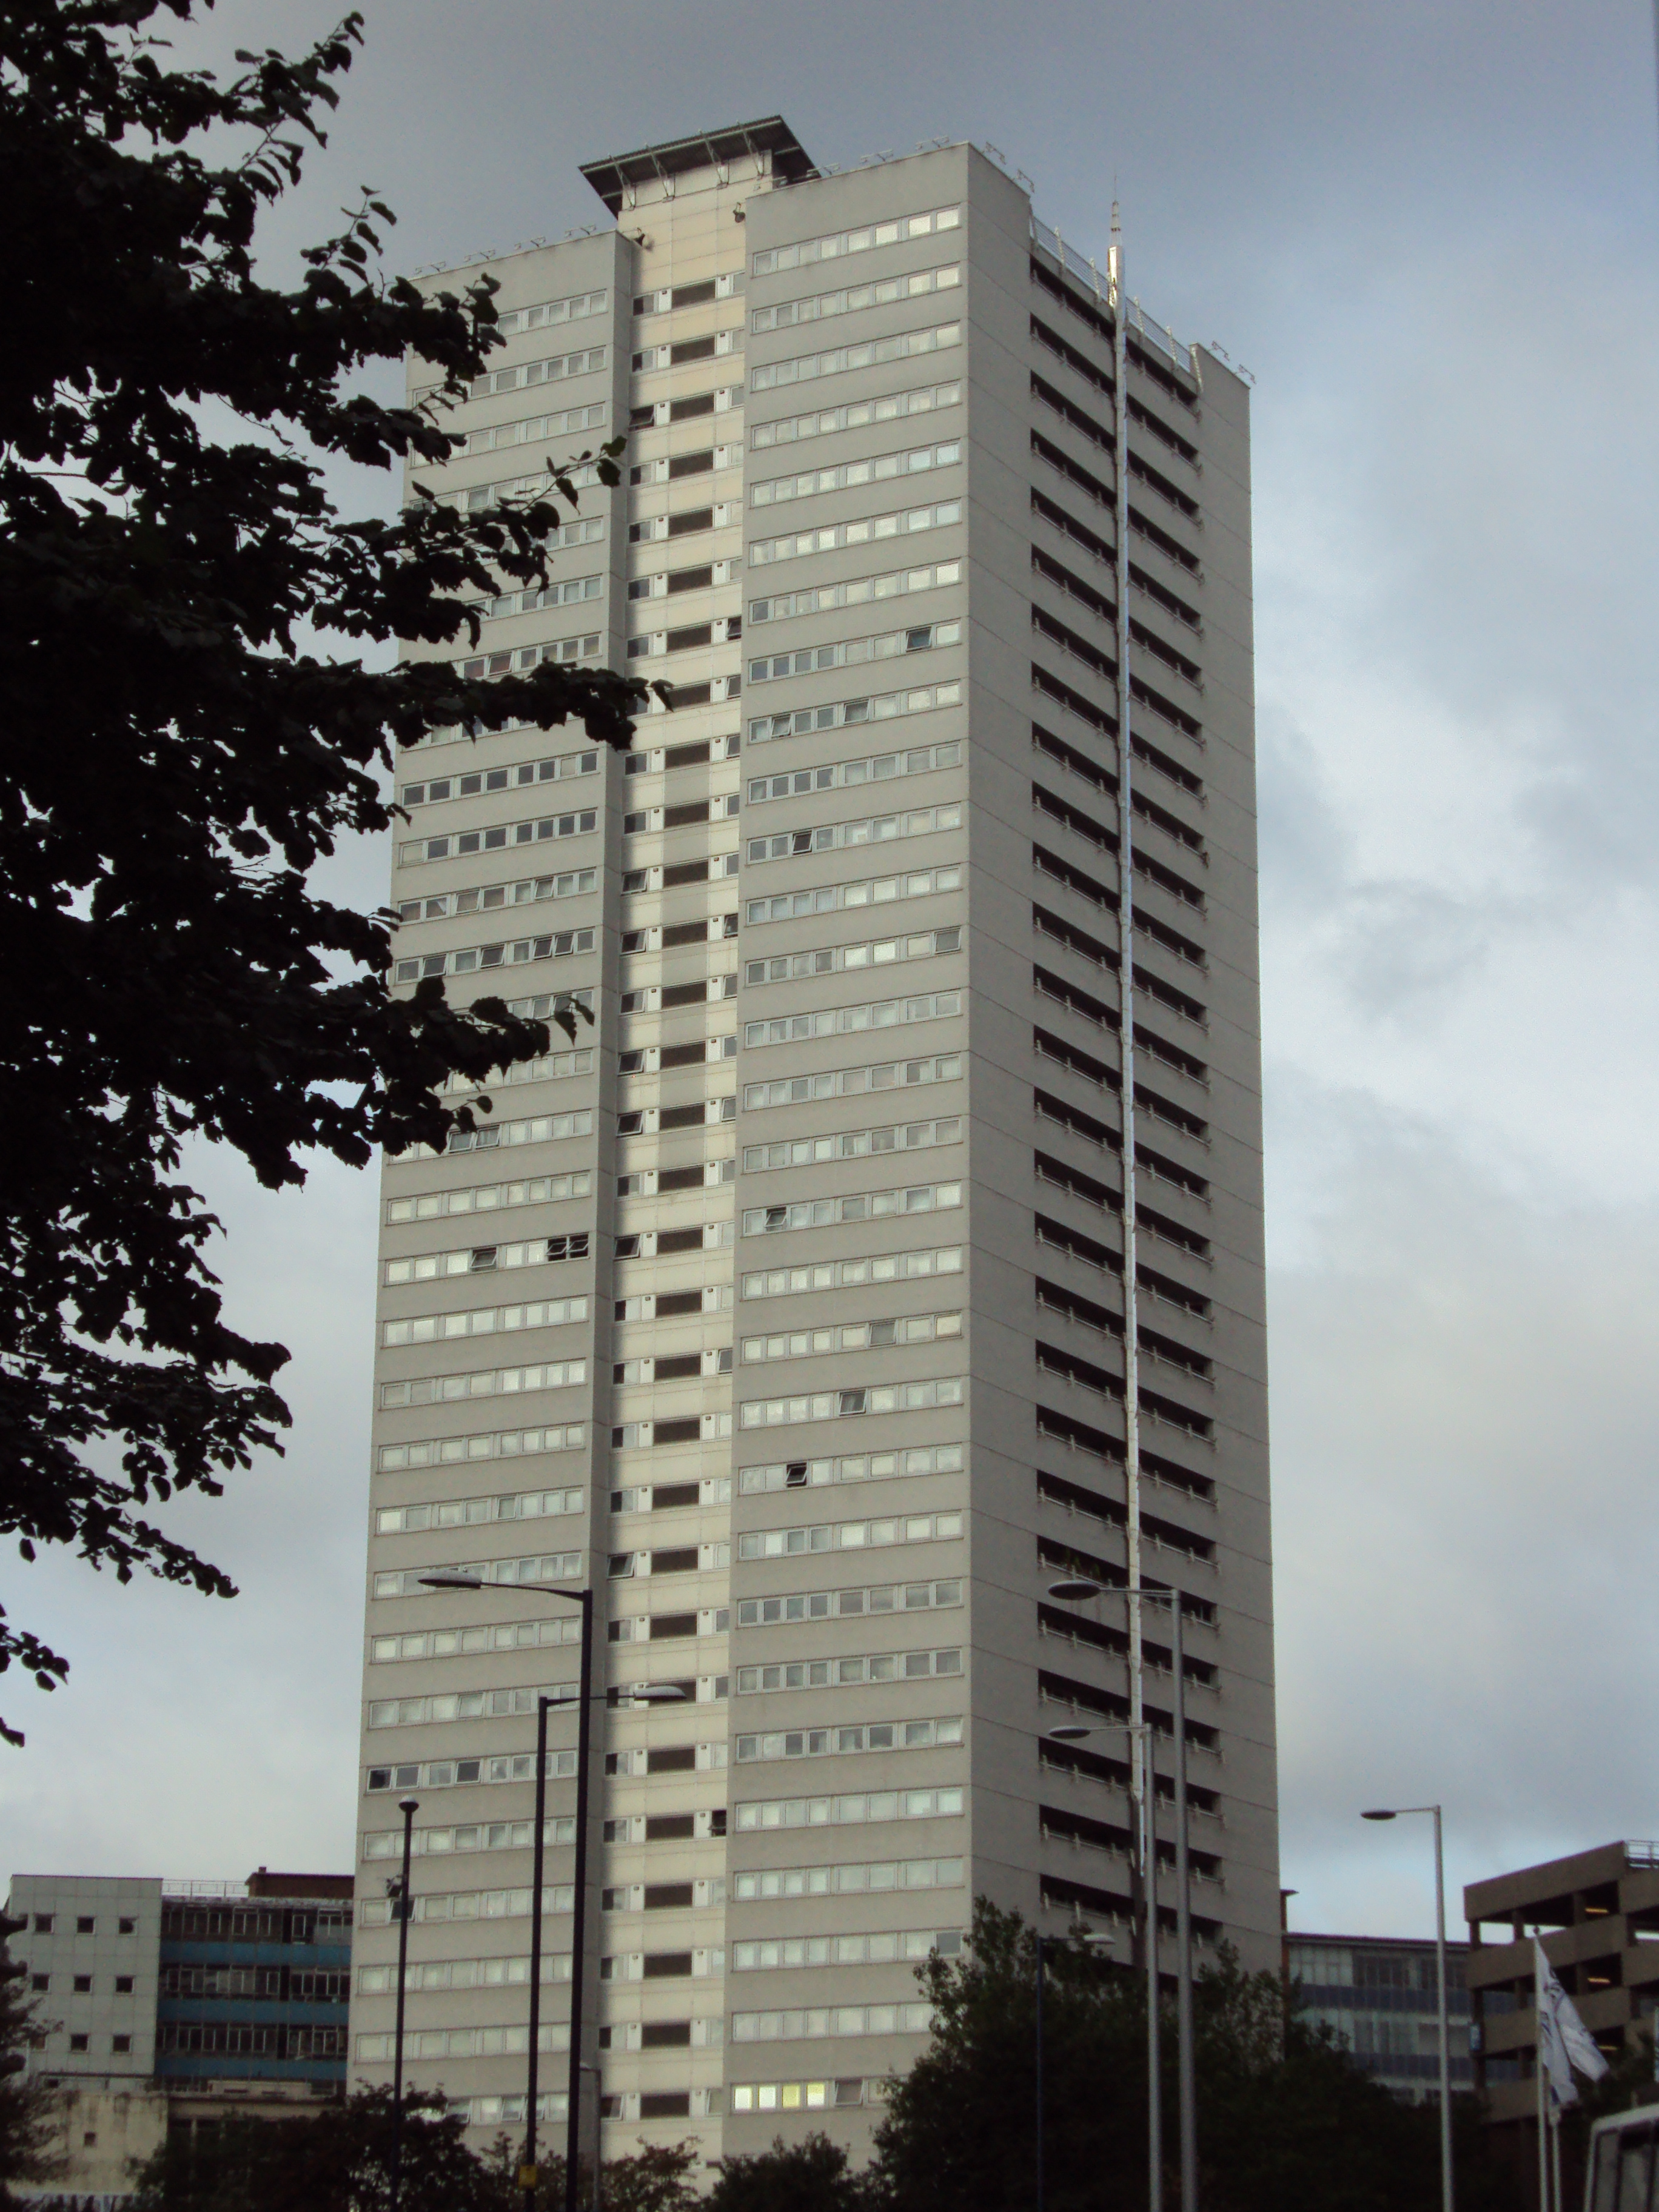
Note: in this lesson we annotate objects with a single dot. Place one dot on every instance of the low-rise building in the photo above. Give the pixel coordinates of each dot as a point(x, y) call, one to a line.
point(166, 2004)
point(1597, 1916)
point(1381, 1994)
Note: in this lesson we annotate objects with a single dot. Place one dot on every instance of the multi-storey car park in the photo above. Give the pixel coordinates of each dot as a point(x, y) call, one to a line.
point(890, 1246)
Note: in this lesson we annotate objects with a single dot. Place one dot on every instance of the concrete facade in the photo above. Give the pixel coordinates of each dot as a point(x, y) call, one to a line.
point(1597, 1916)
point(816, 1355)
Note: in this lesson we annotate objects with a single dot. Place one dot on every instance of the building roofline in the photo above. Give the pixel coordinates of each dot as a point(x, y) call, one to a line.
point(611, 176)
point(1380, 1942)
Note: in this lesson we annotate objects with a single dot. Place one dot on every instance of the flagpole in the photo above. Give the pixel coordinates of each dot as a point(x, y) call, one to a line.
point(1540, 2069)
point(1555, 2155)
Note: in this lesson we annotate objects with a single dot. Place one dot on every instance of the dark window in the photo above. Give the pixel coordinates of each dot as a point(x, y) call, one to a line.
point(681, 1560)
point(687, 871)
point(670, 1827)
point(685, 932)
point(665, 2103)
point(690, 465)
point(665, 1496)
point(42, 1923)
point(673, 1759)
point(683, 1055)
point(690, 810)
point(664, 2035)
point(41, 1981)
point(694, 695)
point(77, 2043)
point(126, 1927)
point(717, 1821)
point(665, 1625)
point(689, 579)
point(120, 2043)
point(687, 755)
point(670, 1302)
point(691, 349)
point(667, 1896)
point(86, 1925)
point(679, 1179)
point(667, 1965)
point(695, 518)
point(680, 410)
point(679, 1240)
point(692, 295)
point(83, 1981)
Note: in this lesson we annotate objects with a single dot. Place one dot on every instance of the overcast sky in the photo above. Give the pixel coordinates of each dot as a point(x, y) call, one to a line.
point(1431, 232)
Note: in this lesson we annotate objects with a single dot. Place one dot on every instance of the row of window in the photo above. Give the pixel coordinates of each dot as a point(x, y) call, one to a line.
point(86, 1923)
point(849, 1274)
point(852, 1467)
point(547, 1067)
point(483, 1198)
point(479, 498)
point(536, 1129)
point(834, 244)
point(428, 1974)
point(919, 637)
point(877, 1948)
point(846, 476)
point(81, 1984)
point(849, 1604)
point(853, 1206)
point(840, 361)
point(856, 414)
point(460, 1706)
point(863, 1878)
point(497, 839)
point(485, 1321)
point(833, 898)
point(882, 706)
point(819, 2020)
point(479, 781)
point(855, 591)
point(852, 1336)
point(500, 1444)
point(469, 1836)
point(843, 1021)
point(850, 1145)
point(872, 829)
point(867, 528)
point(465, 1773)
point(571, 309)
point(857, 1809)
point(491, 1635)
point(483, 1383)
point(486, 1259)
point(839, 1674)
point(475, 1905)
point(531, 429)
point(854, 299)
point(844, 1405)
point(464, 1512)
point(711, 346)
point(850, 1535)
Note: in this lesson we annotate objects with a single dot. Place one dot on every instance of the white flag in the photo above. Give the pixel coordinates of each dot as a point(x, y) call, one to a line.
point(1564, 2041)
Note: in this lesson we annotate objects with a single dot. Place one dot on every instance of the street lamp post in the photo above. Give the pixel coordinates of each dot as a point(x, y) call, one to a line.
point(1076, 1591)
point(646, 1693)
point(1393, 1812)
point(404, 1907)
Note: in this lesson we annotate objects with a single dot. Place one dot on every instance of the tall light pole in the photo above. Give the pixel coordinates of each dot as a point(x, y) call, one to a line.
point(1393, 1812)
point(1076, 1591)
point(404, 1906)
point(646, 1693)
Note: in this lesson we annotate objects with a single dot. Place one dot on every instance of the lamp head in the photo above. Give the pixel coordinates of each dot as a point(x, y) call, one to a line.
point(1075, 1589)
point(1379, 1813)
point(1069, 1732)
point(657, 1693)
point(451, 1581)
point(409, 1804)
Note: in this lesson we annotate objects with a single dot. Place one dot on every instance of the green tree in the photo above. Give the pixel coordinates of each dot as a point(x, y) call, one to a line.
point(813, 2176)
point(179, 752)
point(28, 2133)
point(1287, 2122)
point(337, 2159)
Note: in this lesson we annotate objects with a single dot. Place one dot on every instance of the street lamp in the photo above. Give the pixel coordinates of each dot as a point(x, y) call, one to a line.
point(1077, 1590)
point(1393, 1812)
point(404, 1906)
point(646, 1693)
